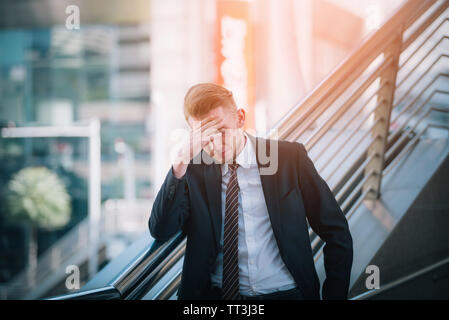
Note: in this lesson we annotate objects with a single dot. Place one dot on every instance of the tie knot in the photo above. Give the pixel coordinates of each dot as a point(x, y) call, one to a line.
point(233, 167)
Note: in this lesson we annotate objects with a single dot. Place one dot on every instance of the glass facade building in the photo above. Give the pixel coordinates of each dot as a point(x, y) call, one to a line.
point(59, 77)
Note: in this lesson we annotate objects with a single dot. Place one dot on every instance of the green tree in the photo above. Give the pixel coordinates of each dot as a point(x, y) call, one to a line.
point(38, 199)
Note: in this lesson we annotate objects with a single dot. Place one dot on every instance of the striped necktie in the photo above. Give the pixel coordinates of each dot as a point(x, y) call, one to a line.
point(230, 285)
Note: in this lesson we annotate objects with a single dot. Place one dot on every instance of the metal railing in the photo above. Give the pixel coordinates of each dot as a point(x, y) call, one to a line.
point(138, 277)
point(358, 117)
point(387, 70)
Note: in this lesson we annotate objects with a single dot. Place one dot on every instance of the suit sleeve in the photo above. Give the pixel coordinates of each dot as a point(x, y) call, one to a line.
point(329, 223)
point(170, 209)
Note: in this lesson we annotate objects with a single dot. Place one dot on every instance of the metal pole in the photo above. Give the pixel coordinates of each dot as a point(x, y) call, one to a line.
point(380, 131)
point(130, 176)
point(94, 194)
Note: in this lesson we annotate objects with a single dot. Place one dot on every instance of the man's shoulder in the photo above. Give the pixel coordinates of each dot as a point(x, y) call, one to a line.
point(287, 154)
point(292, 146)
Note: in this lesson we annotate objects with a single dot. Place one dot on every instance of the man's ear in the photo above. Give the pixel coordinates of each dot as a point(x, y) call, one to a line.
point(241, 115)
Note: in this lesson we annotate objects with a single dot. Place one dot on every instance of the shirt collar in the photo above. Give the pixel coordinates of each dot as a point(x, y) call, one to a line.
point(246, 158)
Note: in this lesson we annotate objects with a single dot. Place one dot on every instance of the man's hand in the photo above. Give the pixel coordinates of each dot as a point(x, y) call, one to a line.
point(201, 134)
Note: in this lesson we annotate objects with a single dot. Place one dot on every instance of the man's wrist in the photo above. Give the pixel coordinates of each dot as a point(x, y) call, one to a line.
point(179, 170)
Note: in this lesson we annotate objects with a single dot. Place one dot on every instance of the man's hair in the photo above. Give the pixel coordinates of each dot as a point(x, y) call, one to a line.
point(203, 97)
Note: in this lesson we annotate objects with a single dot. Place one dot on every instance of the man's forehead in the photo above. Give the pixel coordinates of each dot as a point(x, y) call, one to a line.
point(217, 113)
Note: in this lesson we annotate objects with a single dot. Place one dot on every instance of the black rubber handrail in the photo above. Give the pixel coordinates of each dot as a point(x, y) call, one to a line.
point(106, 293)
point(145, 266)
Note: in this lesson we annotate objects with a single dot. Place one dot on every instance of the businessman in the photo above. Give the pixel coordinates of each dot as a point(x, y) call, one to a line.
point(246, 226)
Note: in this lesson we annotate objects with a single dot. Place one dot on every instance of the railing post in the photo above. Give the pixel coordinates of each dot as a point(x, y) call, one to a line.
point(380, 132)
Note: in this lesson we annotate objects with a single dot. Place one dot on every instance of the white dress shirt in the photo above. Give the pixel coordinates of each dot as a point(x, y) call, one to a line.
point(261, 269)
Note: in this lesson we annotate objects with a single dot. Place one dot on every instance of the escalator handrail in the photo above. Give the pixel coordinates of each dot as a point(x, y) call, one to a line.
point(127, 279)
point(147, 282)
point(105, 293)
point(146, 263)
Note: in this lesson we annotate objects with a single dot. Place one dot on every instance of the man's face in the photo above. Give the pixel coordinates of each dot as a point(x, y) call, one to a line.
point(225, 144)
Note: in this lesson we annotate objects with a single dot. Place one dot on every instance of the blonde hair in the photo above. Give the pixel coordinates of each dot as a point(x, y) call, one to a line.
point(203, 97)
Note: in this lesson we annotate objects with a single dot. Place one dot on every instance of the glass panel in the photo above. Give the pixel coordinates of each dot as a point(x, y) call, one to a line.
point(60, 78)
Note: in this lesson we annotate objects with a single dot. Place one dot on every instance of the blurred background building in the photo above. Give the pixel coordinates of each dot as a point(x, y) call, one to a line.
point(129, 66)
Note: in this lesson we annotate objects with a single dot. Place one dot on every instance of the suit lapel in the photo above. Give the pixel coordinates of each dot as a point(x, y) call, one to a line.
point(212, 181)
point(269, 186)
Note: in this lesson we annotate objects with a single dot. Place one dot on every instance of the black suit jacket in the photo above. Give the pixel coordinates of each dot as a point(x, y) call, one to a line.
point(296, 192)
